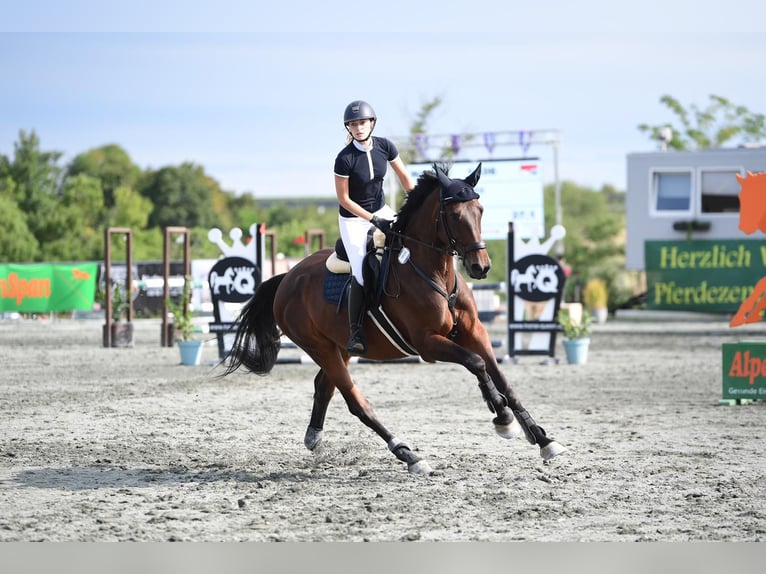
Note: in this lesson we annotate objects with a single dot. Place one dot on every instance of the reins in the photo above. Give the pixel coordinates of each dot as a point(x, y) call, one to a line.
point(395, 240)
point(451, 297)
point(452, 251)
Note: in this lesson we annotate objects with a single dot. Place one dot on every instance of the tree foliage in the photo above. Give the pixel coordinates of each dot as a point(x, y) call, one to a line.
point(17, 242)
point(718, 123)
point(180, 195)
point(111, 165)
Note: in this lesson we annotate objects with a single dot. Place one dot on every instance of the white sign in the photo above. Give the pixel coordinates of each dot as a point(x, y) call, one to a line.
point(509, 190)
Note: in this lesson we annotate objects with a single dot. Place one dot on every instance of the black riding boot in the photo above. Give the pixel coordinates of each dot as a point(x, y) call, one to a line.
point(357, 310)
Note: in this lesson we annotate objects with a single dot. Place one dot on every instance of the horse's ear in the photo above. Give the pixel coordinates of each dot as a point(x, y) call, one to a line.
point(473, 179)
point(443, 179)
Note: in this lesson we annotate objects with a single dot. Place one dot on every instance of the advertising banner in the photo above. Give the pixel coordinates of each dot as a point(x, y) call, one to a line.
point(744, 370)
point(43, 288)
point(509, 190)
point(702, 276)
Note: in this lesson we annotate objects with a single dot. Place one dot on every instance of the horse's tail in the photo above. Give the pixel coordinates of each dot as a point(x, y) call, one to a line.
point(257, 341)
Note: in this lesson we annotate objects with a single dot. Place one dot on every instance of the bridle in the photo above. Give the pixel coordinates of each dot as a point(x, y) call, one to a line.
point(451, 238)
point(451, 251)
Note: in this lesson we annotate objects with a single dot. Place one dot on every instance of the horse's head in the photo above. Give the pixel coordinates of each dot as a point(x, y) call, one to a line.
point(460, 217)
point(448, 208)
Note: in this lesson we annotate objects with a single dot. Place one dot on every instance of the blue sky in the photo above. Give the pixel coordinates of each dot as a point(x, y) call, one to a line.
point(256, 93)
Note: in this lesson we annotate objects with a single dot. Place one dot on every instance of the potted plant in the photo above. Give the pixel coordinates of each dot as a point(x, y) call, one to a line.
point(576, 336)
point(183, 327)
point(120, 328)
point(595, 295)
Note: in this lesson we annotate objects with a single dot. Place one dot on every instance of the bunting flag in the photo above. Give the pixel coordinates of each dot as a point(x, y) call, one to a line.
point(489, 141)
point(456, 141)
point(421, 143)
point(525, 140)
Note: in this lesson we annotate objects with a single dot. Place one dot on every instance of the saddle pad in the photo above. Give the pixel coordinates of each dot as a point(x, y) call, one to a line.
point(334, 290)
point(335, 286)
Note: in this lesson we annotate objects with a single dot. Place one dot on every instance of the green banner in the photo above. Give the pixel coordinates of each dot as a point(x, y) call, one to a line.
point(43, 288)
point(744, 370)
point(702, 276)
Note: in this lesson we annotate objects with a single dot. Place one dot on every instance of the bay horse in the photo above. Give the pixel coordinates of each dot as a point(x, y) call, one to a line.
point(424, 296)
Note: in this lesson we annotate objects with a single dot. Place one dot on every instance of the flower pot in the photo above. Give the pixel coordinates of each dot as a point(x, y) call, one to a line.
point(191, 352)
point(600, 315)
point(576, 350)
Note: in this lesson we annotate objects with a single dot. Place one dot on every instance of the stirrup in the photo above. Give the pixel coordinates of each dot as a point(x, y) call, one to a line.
point(356, 347)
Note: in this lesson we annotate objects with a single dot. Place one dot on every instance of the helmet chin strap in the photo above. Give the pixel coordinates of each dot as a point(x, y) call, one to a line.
point(373, 122)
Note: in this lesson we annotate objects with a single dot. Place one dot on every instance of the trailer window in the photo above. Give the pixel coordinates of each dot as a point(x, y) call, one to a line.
point(672, 191)
point(719, 191)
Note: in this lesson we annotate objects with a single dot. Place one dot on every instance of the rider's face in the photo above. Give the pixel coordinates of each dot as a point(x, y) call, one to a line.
point(360, 129)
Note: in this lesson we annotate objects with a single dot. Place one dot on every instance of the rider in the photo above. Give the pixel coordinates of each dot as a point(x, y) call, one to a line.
point(359, 171)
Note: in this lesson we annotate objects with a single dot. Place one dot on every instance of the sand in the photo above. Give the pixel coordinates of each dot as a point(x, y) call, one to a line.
point(128, 445)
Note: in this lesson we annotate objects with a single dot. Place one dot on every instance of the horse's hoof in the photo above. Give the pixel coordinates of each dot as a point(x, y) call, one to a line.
point(511, 430)
point(420, 467)
point(313, 438)
point(551, 450)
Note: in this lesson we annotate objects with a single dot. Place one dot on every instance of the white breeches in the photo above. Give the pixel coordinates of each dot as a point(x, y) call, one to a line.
point(353, 233)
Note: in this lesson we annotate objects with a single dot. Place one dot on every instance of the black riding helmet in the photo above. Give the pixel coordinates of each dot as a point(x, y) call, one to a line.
point(359, 110)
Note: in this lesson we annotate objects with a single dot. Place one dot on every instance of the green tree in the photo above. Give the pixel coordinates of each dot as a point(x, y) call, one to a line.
point(130, 209)
point(36, 175)
point(718, 123)
point(595, 224)
point(182, 196)
point(111, 164)
point(83, 193)
point(76, 228)
point(246, 210)
point(17, 242)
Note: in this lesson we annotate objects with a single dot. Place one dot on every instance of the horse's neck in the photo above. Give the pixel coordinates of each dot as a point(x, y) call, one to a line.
point(427, 252)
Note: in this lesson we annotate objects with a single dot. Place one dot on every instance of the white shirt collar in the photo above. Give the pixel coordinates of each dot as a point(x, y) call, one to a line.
point(360, 147)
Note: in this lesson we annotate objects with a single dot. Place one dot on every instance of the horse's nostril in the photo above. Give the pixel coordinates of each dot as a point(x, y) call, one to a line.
point(479, 271)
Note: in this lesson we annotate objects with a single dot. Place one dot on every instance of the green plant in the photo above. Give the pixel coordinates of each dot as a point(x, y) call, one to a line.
point(182, 316)
point(595, 294)
point(574, 328)
point(119, 303)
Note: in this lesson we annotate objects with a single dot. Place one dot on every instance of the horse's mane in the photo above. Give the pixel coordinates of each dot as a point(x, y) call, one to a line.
point(427, 182)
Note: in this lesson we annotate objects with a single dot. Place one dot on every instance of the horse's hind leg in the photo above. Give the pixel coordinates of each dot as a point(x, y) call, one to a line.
point(359, 407)
point(323, 392)
point(334, 374)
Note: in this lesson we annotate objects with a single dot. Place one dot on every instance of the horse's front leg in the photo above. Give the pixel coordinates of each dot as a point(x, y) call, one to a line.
point(535, 434)
point(511, 417)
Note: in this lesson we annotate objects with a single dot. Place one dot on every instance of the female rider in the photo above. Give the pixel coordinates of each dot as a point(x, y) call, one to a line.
point(359, 171)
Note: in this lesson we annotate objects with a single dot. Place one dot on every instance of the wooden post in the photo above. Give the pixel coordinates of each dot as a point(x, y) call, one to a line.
point(165, 339)
point(128, 234)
